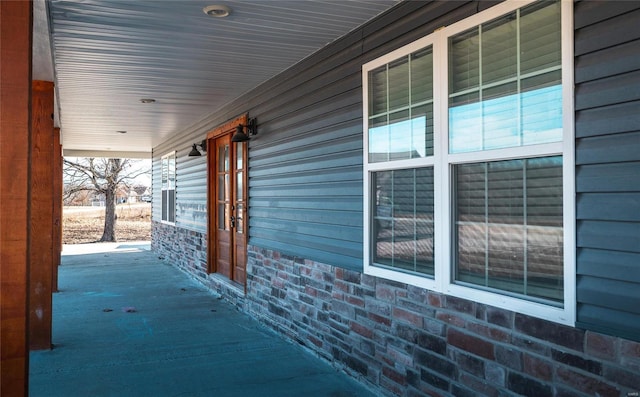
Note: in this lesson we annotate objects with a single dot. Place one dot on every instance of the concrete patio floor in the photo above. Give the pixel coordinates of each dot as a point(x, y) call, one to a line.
point(127, 324)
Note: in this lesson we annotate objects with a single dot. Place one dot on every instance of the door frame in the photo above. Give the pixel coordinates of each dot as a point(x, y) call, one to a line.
point(227, 128)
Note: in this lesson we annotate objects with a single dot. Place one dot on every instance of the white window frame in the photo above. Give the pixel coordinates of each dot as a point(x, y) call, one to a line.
point(442, 162)
point(165, 187)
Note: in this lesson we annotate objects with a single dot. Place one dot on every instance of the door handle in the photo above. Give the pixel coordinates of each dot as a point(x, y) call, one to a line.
point(233, 221)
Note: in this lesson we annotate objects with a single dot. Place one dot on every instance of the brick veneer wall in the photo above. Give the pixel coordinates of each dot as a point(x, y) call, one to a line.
point(408, 341)
point(187, 250)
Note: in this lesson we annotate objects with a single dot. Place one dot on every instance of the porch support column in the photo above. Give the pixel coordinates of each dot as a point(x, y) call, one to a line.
point(15, 104)
point(41, 219)
point(57, 207)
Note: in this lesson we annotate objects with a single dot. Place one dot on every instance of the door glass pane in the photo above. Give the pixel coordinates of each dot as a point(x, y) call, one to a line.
point(402, 223)
point(222, 217)
point(239, 155)
point(239, 218)
point(508, 226)
point(221, 187)
point(223, 158)
point(239, 186)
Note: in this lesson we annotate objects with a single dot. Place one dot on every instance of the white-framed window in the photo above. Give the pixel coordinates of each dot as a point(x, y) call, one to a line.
point(468, 160)
point(169, 187)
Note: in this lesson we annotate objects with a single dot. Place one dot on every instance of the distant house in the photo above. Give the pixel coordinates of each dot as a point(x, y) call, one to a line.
point(442, 202)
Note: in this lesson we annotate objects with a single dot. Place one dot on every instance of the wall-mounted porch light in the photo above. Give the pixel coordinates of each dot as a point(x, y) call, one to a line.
point(242, 136)
point(194, 149)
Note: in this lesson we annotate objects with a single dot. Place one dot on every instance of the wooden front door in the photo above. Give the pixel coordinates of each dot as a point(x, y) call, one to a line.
point(227, 206)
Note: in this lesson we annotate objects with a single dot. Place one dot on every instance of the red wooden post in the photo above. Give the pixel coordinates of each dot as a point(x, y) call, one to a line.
point(15, 102)
point(41, 219)
point(57, 207)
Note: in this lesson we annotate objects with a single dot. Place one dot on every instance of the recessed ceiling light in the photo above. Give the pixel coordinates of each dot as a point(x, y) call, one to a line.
point(122, 132)
point(147, 100)
point(217, 11)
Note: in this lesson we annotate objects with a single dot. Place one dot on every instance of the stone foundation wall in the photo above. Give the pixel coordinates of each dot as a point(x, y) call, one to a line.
point(409, 341)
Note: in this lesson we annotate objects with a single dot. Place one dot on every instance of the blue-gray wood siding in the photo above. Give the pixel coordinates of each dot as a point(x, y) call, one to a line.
point(607, 100)
point(191, 180)
point(305, 176)
point(306, 162)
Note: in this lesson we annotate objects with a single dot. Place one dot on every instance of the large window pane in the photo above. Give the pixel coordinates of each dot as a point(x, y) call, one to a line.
point(505, 82)
point(508, 226)
point(464, 61)
point(403, 219)
point(500, 49)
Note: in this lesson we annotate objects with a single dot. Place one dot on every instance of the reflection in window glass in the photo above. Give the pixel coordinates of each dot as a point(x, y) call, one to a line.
point(508, 226)
point(401, 108)
point(403, 222)
point(497, 98)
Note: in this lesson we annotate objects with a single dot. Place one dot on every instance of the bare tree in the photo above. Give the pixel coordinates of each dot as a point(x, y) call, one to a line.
point(102, 176)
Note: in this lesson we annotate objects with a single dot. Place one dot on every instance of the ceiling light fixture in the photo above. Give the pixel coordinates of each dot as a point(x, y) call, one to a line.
point(217, 11)
point(147, 100)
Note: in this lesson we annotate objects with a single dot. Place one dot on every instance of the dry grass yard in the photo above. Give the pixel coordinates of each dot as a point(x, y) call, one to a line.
point(85, 224)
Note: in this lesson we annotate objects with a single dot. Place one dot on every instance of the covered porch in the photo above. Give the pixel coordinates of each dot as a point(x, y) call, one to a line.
point(127, 323)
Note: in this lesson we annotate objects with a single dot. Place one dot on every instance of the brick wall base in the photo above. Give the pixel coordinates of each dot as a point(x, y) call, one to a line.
point(408, 341)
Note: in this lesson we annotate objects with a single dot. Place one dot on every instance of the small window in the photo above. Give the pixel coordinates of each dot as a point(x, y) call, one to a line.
point(169, 187)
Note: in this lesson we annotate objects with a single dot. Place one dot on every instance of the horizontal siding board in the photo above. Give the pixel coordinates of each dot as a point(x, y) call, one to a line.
point(616, 236)
point(329, 161)
point(332, 175)
point(315, 235)
point(347, 218)
point(607, 130)
point(622, 59)
point(316, 191)
point(324, 87)
point(607, 264)
point(605, 120)
point(590, 12)
point(608, 91)
point(608, 320)
point(608, 33)
point(334, 258)
point(622, 207)
point(616, 148)
point(327, 203)
point(614, 294)
point(302, 153)
point(282, 144)
point(613, 177)
point(336, 116)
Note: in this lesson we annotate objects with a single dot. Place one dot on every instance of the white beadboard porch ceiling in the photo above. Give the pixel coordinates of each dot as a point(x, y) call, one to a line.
point(110, 54)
